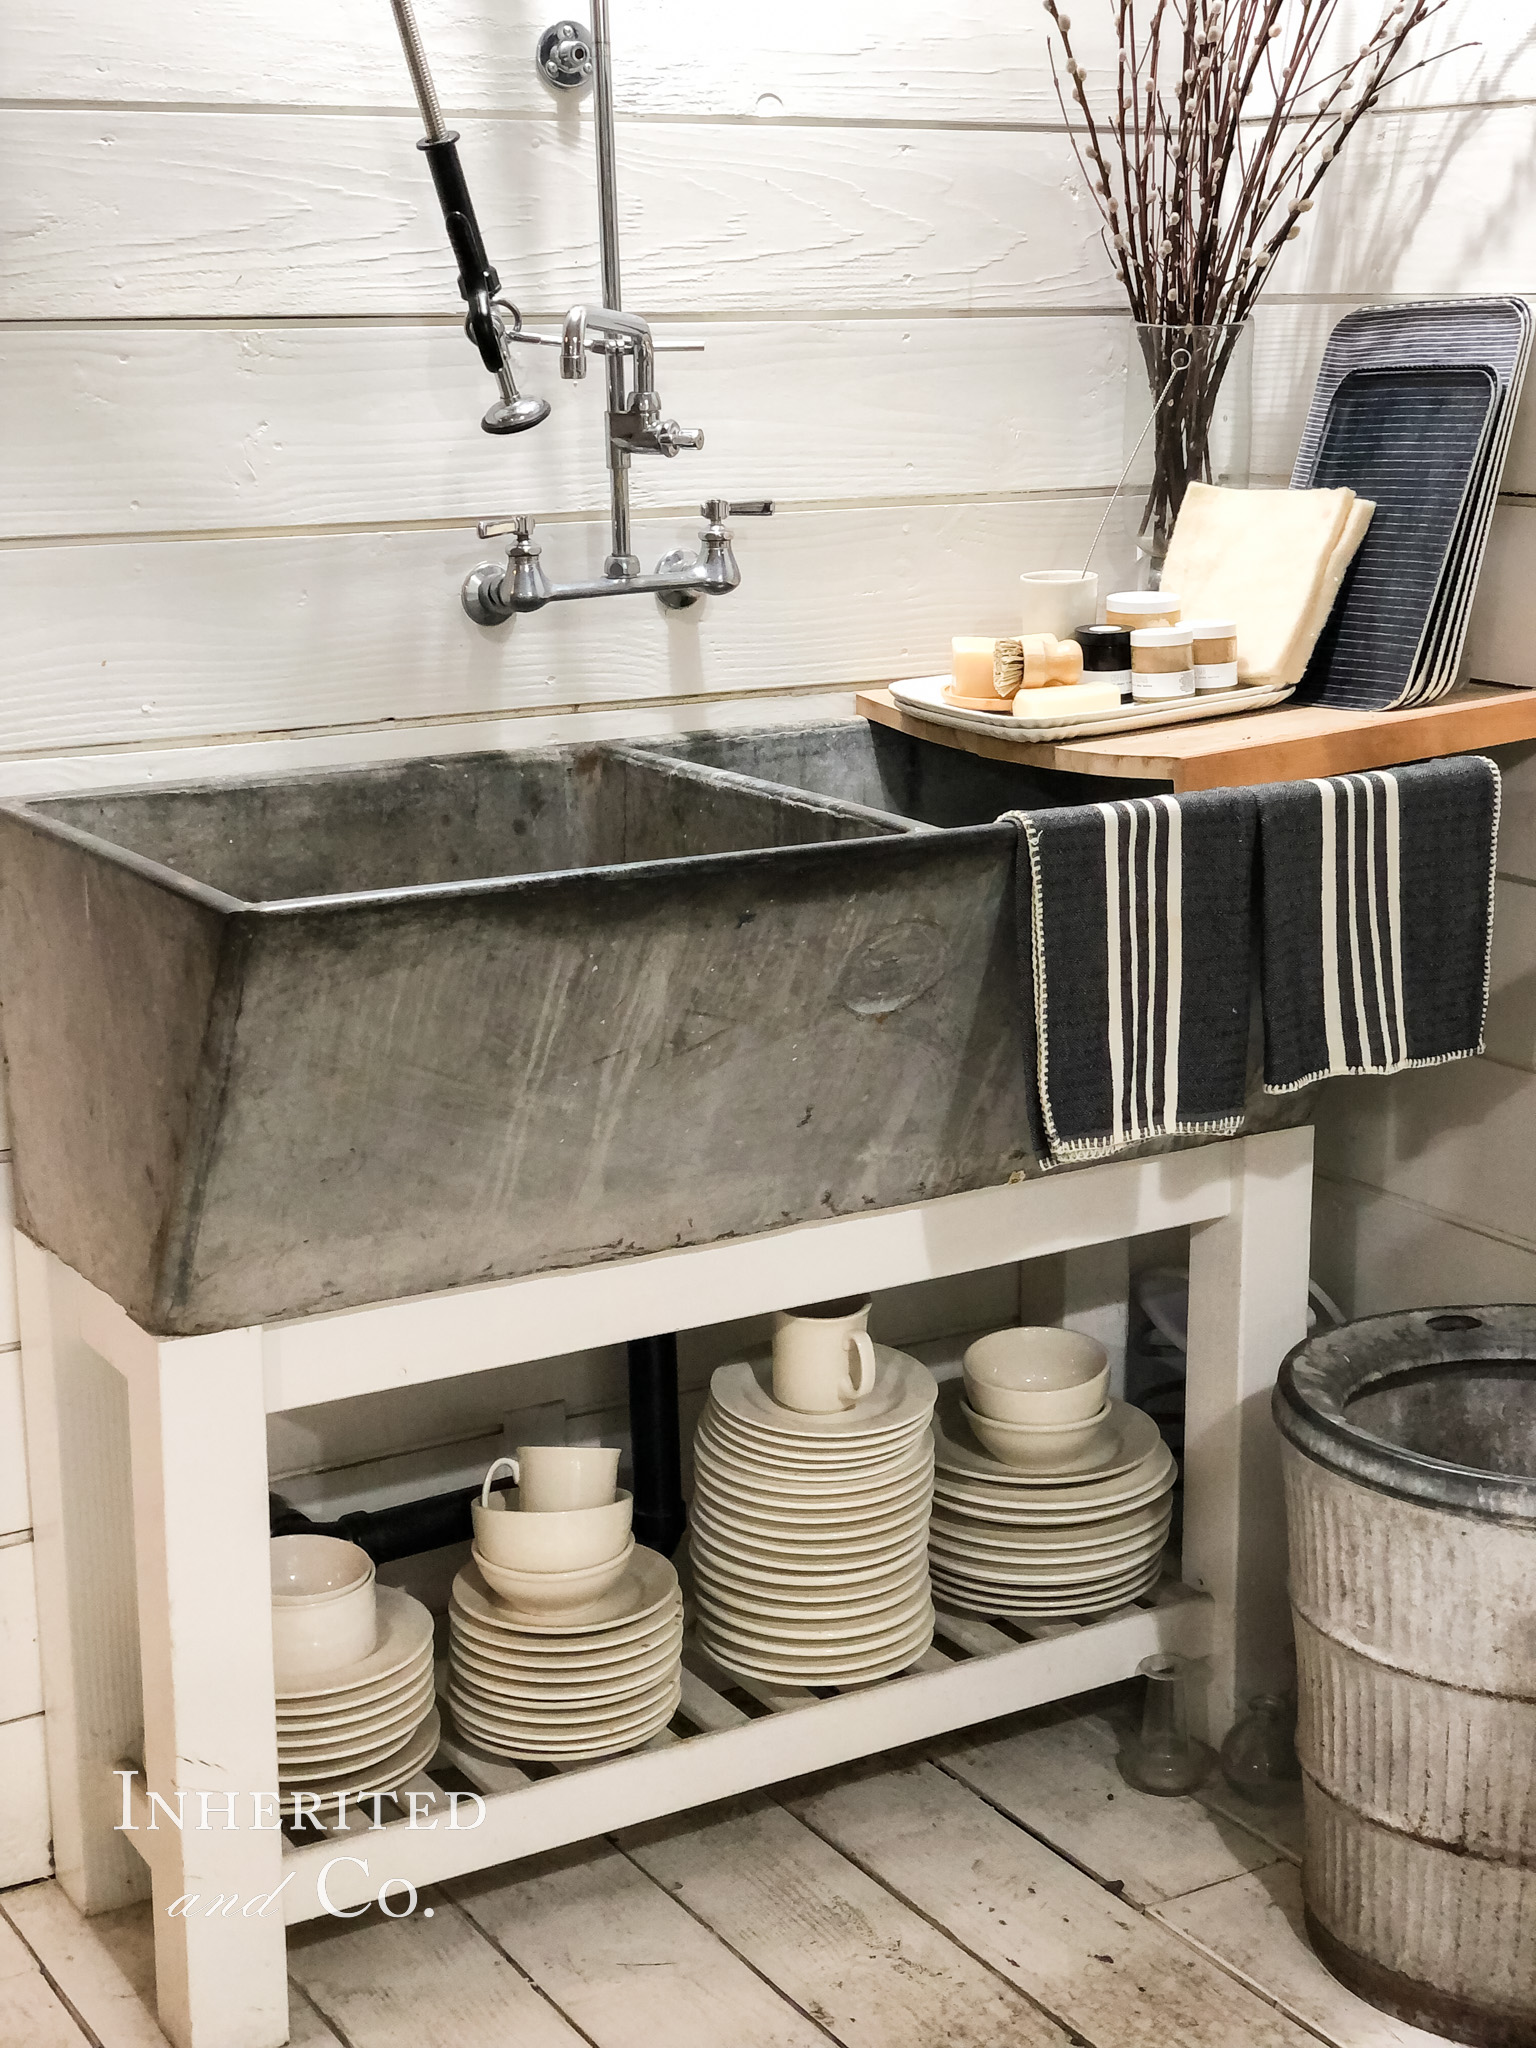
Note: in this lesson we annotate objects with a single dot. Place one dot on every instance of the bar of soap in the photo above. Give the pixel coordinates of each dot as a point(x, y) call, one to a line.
point(1067, 700)
point(971, 666)
point(1271, 560)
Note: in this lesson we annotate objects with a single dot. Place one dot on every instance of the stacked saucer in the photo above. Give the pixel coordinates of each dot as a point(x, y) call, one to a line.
point(590, 1684)
point(1048, 1546)
point(366, 1727)
point(808, 1530)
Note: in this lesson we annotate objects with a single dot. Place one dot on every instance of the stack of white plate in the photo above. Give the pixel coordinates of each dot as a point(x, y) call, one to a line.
point(808, 1532)
point(1029, 1545)
point(369, 1727)
point(589, 1685)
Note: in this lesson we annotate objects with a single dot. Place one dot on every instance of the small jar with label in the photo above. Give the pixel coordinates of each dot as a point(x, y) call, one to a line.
point(1214, 655)
point(1160, 664)
point(1106, 655)
point(1135, 608)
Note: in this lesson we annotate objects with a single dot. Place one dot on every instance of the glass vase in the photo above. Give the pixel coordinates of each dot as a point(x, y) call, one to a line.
point(1188, 419)
point(1162, 1756)
point(1258, 1758)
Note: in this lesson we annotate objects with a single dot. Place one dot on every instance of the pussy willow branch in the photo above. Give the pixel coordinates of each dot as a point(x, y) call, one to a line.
point(1222, 121)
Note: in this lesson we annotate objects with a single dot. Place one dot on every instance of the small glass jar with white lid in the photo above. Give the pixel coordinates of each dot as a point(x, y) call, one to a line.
point(1214, 655)
point(1160, 664)
point(1133, 609)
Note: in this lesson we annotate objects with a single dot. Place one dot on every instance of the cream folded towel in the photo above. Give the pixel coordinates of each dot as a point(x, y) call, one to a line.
point(1271, 560)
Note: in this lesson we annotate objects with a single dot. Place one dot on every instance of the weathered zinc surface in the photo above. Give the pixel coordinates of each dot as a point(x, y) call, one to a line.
point(292, 1045)
point(1411, 1497)
point(855, 762)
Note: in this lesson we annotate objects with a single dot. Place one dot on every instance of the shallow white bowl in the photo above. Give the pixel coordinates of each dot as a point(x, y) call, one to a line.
point(570, 1540)
point(1036, 1375)
point(312, 1569)
point(547, 1594)
point(324, 1607)
point(1036, 1447)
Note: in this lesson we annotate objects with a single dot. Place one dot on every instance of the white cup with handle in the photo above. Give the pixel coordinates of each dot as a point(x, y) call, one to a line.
point(823, 1360)
point(553, 1479)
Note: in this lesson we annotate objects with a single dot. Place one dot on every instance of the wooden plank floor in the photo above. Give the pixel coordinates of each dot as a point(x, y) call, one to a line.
point(998, 1889)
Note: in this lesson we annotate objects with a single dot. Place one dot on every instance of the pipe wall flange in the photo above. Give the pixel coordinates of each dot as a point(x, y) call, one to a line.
point(565, 56)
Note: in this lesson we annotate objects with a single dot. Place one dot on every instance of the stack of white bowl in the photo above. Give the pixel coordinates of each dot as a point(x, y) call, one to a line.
point(1050, 1500)
point(353, 1667)
point(565, 1639)
point(813, 1474)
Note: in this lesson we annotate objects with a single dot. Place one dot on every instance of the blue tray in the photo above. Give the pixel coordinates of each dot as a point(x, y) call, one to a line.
point(1412, 440)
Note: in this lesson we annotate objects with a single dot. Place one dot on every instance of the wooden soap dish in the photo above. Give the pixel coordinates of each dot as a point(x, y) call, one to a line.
point(998, 706)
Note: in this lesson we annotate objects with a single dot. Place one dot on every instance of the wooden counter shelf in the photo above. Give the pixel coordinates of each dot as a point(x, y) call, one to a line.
point(1280, 745)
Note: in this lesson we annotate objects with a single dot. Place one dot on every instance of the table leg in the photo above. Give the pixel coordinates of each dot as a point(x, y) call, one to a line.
point(77, 1456)
point(1247, 1307)
point(210, 1740)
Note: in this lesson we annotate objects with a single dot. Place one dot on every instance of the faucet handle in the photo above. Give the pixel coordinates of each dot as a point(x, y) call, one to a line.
point(718, 510)
point(670, 437)
point(520, 524)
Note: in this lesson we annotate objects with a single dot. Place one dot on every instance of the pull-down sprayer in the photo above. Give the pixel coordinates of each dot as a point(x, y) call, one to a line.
point(479, 285)
point(567, 56)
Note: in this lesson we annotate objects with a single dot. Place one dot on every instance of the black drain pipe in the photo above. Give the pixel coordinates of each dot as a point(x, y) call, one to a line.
point(388, 1533)
point(660, 1516)
point(442, 1518)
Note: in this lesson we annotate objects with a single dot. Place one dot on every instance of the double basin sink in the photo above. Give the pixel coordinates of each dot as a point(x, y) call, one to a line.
point(290, 1045)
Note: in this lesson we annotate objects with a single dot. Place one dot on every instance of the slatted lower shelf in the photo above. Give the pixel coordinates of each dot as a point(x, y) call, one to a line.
point(714, 1747)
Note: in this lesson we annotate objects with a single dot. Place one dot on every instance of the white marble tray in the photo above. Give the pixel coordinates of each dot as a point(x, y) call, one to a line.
point(924, 696)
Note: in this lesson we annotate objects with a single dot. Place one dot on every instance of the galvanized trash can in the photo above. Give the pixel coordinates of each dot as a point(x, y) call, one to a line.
point(1410, 1474)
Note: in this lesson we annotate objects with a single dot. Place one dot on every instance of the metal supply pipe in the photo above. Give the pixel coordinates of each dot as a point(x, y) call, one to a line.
point(622, 560)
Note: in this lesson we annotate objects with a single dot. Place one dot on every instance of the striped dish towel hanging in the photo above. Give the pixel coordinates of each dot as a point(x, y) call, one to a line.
point(1377, 919)
point(1135, 931)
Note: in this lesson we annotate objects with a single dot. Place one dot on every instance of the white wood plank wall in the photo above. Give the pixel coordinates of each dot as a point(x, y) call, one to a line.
point(1426, 1194)
point(242, 460)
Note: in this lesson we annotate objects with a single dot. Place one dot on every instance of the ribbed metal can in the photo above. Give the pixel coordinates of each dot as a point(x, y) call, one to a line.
point(1409, 1453)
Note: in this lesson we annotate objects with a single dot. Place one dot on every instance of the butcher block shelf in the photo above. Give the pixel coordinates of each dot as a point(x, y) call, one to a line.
point(1280, 745)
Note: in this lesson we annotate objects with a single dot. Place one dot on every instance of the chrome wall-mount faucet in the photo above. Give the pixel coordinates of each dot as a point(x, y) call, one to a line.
point(567, 57)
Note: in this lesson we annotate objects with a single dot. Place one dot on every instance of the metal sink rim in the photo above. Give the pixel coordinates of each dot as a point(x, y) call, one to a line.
point(893, 827)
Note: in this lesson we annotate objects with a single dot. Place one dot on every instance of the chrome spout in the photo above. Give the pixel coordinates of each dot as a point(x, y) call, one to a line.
point(624, 327)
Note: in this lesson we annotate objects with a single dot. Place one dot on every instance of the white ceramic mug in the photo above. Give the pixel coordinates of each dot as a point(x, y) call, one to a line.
point(324, 1607)
point(552, 1479)
point(1058, 601)
point(823, 1359)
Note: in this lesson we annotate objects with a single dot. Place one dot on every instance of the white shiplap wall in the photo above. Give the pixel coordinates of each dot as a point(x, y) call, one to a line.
point(242, 460)
point(1428, 1194)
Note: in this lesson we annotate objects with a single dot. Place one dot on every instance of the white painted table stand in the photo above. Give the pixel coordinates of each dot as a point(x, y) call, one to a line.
point(149, 1481)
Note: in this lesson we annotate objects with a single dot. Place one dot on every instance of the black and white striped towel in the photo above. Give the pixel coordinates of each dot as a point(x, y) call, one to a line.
point(1135, 929)
point(1378, 915)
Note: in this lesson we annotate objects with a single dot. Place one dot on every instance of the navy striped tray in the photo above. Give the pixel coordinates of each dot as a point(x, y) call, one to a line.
point(1491, 333)
point(1410, 440)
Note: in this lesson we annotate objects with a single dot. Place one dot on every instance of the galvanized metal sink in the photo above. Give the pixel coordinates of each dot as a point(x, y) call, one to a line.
point(852, 761)
point(297, 1044)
